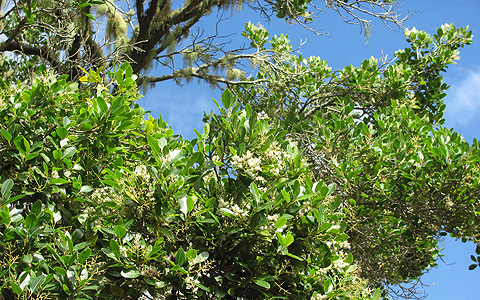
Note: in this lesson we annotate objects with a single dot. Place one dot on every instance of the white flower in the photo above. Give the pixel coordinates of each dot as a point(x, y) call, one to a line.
point(272, 218)
point(262, 115)
point(408, 32)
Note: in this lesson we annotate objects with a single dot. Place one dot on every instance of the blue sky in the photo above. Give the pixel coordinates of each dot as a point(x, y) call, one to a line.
point(183, 107)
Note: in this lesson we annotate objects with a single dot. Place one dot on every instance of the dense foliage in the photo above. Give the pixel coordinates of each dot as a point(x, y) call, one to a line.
point(376, 131)
point(308, 183)
point(98, 202)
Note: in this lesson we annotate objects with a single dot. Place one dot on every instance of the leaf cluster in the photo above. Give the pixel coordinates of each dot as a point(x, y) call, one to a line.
point(98, 202)
point(375, 131)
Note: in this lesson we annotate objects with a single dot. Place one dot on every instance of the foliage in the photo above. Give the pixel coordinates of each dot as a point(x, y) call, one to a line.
point(309, 183)
point(375, 131)
point(101, 33)
point(98, 202)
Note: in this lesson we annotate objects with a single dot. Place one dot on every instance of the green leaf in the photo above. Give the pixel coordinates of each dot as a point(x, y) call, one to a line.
point(69, 152)
point(206, 131)
point(26, 144)
point(255, 192)
point(62, 132)
point(84, 255)
point(85, 189)
point(31, 156)
point(16, 288)
point(331, 188)
point(115, 248)
point(162, 143)
point(36, 283)
point(228, 99)
point(6, 135)
point(190, 203)
point(90, 16)
point(66, 289)
point(472, 267)
point(203, 256)
point(288, 240)
point(327, 286)
point(59, 181)
point(30, 221)
point(180, 257)
point(77, 235)
point(153, 143)
point(191, 254)
point(349, 259)
point(294, 256)
point(286, 195)
point(120, 231)
point(318, 213)
point(262, 283)
point(109, 253)
point(182, 202)
point(7, 187)
point(130, 273)
point(377, 294)
point(227, 212)
point(57, 154)
point(280, 222)
point(60, 270)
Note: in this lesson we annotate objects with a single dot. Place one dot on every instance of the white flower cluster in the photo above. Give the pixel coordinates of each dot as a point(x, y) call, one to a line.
point(138, 245)
point(192, 283)
point(141, 171)
point(235, 209)
point(262, 115)
point(408, 32)
point(270, 227)
point(105, 194)
point(142, 189)
point(277, 156)
point(165, 159)
point(340, 264)
point(250, 164)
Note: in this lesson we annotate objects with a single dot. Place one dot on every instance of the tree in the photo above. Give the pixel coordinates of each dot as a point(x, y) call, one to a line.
point(98, 202)
point(308, 184)
point(375, 131)
point(107, 32)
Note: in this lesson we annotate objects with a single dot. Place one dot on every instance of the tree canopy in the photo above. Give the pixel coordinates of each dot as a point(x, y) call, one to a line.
point(96, 34)
point(308, 184)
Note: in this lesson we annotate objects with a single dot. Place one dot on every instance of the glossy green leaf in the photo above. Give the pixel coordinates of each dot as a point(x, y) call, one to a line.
point(262, 283)
point(180, 257)
point(130, 273)
point(153, 143)
point(6, 188)
point(69, 152)
point(115, 248)
point(37, 282)
point(280, 222)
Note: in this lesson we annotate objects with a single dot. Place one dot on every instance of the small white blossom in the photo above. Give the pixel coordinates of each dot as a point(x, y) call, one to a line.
point(409, 32)
point(262, 115)
point(192, 283)
point(55, 174)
